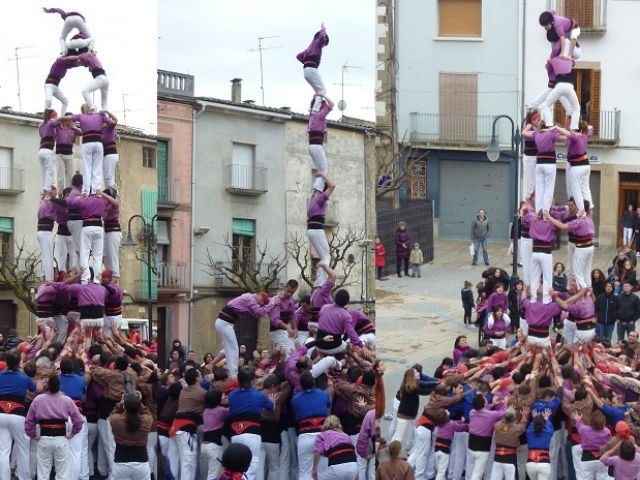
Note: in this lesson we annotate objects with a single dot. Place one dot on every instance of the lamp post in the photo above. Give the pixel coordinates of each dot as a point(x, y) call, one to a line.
point(493, 154)
point(148, 234)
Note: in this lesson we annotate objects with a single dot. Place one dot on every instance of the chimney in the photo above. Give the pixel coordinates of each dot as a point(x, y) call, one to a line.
point(236, 90)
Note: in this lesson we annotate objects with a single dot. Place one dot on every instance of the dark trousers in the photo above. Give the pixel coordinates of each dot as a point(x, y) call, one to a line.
point(380, 272)
point(399, 264)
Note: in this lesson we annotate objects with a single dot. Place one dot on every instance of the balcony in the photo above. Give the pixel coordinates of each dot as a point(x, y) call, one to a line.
point(11, 181)
point(221, 281)
point(246, 179)
point(175, 83)
point(591, 15)
point(455, 131)
point(168, 193)
point(607, 129)
point(172, 276)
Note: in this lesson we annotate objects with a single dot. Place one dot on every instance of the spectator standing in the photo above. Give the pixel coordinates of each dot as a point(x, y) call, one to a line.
point(627, 311)
point(636, 228)
point(416, 259)
point(480, 231)
point(402, 249)
point(466, 295)
point(380, 257)
point(628, 226)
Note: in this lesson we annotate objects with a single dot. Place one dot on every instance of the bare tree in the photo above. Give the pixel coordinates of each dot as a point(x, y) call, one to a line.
point(394, 164)
point(341, 249)
point(245, 273)
point(18, 273)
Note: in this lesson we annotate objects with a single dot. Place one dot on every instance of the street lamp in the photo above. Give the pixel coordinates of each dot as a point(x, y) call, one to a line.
point(493, 154)
point(149, 236)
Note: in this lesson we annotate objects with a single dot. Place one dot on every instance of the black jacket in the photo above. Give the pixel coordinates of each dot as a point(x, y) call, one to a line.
point(627, 307)
point(606, 308)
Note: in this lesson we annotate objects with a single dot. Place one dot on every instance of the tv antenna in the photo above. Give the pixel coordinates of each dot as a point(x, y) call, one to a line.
point(259, 50)
point(17, 57)
point(342, 104)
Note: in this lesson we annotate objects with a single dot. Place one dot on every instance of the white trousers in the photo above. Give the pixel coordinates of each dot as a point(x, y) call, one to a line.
point(478, 464)
point(75, 227)
point(522, 453)
point(65, 252)
point(92, 242)
point(542, 96)
point(106, 442)
point(458, 456)
point(46, 168)
point(318, 239)
point(571, 248)
point(627, 236)
point(319, 158)
point(582, 261)
point(502, 471)
point(393, 424)
point(569, 332)
point(54, 451)
point(100, 455)
point(573, 35)
point(109, 163)
point(230, 344)
point(369, 337)
point(403, 431)
point(45, 325)
point(112, 324)
point(538, 471)
point(528, 175)
point(595, 470)
point(45, 240)
point(269, 461)
point(421, 458)
point(71, 22)
point(152, 443)
point(282, 339)
point(301, 338)
point(576, 454)
point(313, 78)
point(253, 441)
point(539, 342)
point(585, 335)
point(62, 324)
point(341, 471)
point(50, 91)
point(292, 449)
point(545, 183)
point(111, 256)
point(555, 453)
point(187, 460)
point(441, 461)
point(562, 89)
point(92, 154)
point(64, 171)
point(101, 82)
point(12, 429)
point(526, 250)
point(541, 264)
point(306, 449)
point(212, 453)
point(78, 452)
point(131, 471)
point(578, 185)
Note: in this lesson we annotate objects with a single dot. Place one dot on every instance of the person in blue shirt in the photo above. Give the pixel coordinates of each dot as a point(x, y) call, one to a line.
point(539, 434)
point(14, 385)
point(614, 412)
point(311, 406)
point(74, 387)
point(245, 408)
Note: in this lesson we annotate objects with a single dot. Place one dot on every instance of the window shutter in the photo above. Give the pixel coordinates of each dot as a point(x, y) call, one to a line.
point(581, 11)
point(461, 18)
point(6, 225)
point(594, 102)
point(149, 204)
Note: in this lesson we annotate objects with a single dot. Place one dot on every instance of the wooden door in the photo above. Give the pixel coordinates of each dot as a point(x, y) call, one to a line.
point(629, 193)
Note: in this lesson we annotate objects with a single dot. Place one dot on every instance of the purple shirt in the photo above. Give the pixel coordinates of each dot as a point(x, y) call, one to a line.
point(318, 120)
point(291, 372)
point(335, 320)
point(577, 144)
point(498, 300)
point(47, 209)
point(65, 136)
point(623, 469)
point(109, 131)
point(302, 318)
point(592, 439)
point(50, 406)
point(447, 430)
point(329, 439)
point(458, 353)
point(89, 122)
point(46, 293)
point(214, 418)
point(48, 129)
point(582, 227)
point(539, 314)
point(90, 61)
point(112, 213)
point(546, 140)
point(246, 304)
point(286, 305)
point(89, 207)
point(367, 432)
point(562, 25)
point(539, 229)
point(91, 294)
point(322, 296)
point(481, 422)
point(582, 309)
point(116, 296)
point(317, 205)
point(314, 50)
point(60, 67)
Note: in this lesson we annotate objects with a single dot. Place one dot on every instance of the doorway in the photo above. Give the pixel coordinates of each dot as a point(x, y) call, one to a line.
point(628, 194)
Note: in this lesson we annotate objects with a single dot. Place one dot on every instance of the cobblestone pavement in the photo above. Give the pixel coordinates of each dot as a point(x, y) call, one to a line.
point(418, 319)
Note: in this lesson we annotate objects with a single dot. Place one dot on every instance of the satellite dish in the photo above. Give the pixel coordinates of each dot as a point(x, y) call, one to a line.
point(342, 105)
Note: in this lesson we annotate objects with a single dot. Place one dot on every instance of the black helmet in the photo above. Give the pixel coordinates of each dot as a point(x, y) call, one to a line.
point(237, 458)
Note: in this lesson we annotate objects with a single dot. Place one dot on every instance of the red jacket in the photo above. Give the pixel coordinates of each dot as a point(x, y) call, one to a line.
point(380, 253)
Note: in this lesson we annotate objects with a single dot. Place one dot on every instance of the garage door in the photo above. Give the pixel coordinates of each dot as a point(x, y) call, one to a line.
point(560, 195)
point(466, 187)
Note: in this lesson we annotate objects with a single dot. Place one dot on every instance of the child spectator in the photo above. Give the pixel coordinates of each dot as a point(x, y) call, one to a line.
point(466, 295)
point(415, 259)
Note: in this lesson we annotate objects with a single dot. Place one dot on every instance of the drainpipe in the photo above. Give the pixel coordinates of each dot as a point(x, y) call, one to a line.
point(195, 114)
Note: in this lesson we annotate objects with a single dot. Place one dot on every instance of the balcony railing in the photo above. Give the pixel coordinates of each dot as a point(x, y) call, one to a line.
point(591, 15)
point(168, 193)
point(608, 128)
point(246, 180)
point(174, 82)
point(11, 181)
point(172, 275)
point(221, 281)
point(455, 130)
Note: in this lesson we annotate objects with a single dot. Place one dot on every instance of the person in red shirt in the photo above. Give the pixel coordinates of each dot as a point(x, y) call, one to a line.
point(380, 257)
point(134, 336)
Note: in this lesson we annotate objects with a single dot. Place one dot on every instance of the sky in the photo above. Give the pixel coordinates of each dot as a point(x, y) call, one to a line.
point(217, 40)
point(126, 42)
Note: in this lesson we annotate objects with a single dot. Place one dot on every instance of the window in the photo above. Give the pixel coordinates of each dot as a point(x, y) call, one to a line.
point(588, 91)
point(589, 14)
point(148, 157)
point(162, 155)
point(458, 106)
point(460, 18)
point(149, 210)
point(417, 179)
point(243, 242)
point(5, 168)
point(6, 237)
point(242, 163)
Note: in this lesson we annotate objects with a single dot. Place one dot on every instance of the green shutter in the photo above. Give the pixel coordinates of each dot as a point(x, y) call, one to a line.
point(161, 163)
point(149, 210)
point(242, 226)
point(6, 225)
